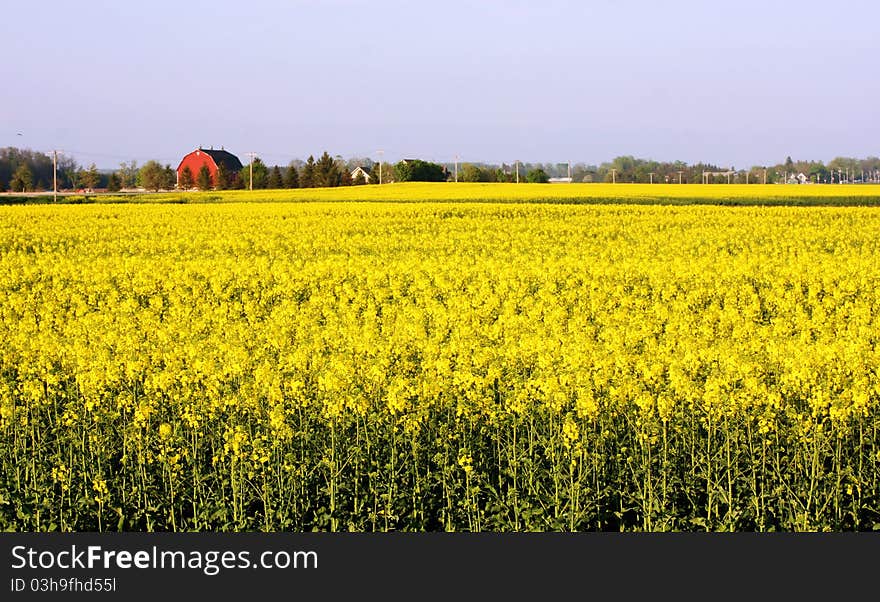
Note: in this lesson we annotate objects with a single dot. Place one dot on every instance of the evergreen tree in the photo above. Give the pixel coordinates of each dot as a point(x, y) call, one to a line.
point(114, 182)
point(359, 179)
point(260, 174)
point(403, 171)
point(22, 180)
point(90, 178)
point(236, 182)
point(186, 178)
point(168, 178)
point(326, 172)
point(291, 177)
point(222, 182)
point(345, 178)
point(275, 180)
point(204, 178)
point(387, 171)
point(307, 177)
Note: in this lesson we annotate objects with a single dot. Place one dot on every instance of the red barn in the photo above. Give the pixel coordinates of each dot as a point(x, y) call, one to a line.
point(213, 159)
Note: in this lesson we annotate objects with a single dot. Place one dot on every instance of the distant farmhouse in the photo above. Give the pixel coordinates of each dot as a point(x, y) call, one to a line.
point(213, 159)
point(360, 171)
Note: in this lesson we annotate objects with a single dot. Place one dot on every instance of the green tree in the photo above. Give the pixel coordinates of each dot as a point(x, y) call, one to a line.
point(90, 177)
point(359, 179)
point(307, 177)
point(291, 177)
point(151, 176)
point(260, 174)
point(22, 180)
point(537, 176)
point(39, 164)
point(128, 173)
point(71, 178)
point(382, 173)
point(204, 180)
point(186, 178)
point(113, 182)
point(403, 171)
point(169, 177)
point(222, 182)
point(276, 181)
point(472, 173)
point(67, 169)
point(326, 172)
point(416, 170)
point(345, 178)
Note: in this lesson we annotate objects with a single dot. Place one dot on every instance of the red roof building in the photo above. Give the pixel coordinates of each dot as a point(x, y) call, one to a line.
point(213, 159)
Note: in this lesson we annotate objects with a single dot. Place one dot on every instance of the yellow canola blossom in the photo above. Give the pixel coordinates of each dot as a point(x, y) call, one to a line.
point(236, 332)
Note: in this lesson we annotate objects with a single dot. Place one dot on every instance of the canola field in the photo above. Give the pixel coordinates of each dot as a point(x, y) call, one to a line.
point(439, 366)
point(642, 194)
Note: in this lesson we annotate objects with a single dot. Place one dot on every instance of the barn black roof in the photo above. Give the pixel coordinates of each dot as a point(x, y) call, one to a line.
point(227, 159)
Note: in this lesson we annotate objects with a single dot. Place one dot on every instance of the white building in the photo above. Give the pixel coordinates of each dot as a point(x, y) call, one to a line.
point(362, 172)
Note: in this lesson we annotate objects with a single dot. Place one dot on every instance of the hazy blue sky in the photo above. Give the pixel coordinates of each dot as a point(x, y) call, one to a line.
point(733, 83)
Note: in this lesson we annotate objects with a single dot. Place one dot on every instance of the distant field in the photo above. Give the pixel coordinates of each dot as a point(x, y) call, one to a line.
point(678, 194)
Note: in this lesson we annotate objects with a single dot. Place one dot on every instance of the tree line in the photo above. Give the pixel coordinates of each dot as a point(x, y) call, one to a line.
point(629, 169)
point(24, 170)
point(633, 170)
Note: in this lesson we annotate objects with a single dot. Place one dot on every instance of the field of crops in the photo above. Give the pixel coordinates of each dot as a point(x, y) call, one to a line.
point(439, 366)
point(642, 194)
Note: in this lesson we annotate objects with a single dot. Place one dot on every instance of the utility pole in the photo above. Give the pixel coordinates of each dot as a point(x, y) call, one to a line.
point(613, 176)
point(765, 176)
point(380, 153)
point(55, 174)
point(251, 170)
point(569, 171)
point(651, 174)
point(517, 171)
point(456, 168)
point(679, 176)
